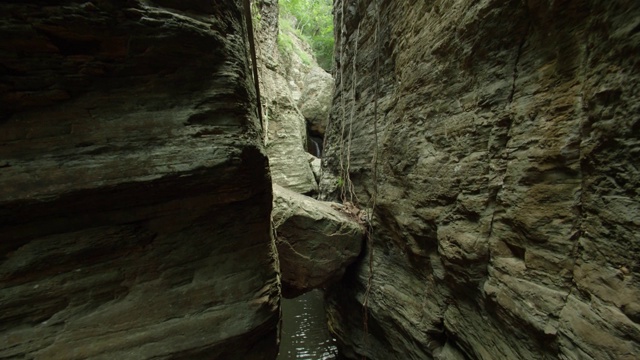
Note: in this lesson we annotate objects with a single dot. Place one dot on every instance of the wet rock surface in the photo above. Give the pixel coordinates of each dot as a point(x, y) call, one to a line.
point(129, 149)
point(507, 173)
point(316, 240)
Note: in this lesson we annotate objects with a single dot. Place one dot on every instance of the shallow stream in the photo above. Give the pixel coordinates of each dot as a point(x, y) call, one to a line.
point(304, 329)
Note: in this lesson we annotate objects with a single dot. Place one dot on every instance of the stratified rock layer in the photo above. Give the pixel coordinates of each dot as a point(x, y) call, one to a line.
point(316, 240)
point(134, 190)
point(507, 203)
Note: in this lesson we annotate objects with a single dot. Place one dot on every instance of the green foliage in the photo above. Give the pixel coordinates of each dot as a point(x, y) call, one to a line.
point(255, 15)
point(285, 41)
point(314, 21)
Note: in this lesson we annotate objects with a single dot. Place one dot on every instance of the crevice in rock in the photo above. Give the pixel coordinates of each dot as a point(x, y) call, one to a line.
point(517, 251)
point(315, 142)
point(523, 41)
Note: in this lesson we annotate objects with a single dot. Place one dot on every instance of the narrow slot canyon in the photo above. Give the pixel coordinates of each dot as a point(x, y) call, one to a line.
point(320, 179)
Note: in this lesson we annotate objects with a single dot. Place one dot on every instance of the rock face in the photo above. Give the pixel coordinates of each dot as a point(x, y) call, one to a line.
point(296, 97)
point(134, 191)
point(315, 100)
point(500, 142)
point(286, 134)
point(316, 240)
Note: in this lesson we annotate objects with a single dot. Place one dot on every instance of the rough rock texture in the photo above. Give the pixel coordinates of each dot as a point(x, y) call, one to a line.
point(315, 100)
point(508, 208)
point(316, 240)
point(286, 135)
point(134, 190)
point(316, 166)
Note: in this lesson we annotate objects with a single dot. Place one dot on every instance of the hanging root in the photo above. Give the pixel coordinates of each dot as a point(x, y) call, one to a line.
point(348, 183)
point(342, 49)
point(347, 190)
point(374, 166)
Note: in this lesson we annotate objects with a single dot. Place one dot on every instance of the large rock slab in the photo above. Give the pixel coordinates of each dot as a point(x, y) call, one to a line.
point(505, 150)
point(316, 240)
point(134, 190)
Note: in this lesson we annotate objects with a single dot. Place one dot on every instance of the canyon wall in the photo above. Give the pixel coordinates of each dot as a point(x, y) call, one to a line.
point(135, 193)
point(497, 143)
point(281, 73)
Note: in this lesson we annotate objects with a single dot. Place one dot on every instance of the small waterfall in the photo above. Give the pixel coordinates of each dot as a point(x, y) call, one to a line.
point(314, 146)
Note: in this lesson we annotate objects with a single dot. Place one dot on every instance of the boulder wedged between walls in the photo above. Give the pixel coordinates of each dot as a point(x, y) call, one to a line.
point(316, 240)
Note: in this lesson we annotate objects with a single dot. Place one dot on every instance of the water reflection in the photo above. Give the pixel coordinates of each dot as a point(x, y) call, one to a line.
point(304, 329)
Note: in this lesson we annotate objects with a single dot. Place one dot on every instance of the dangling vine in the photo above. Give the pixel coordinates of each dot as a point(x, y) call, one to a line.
point(374, 166)
point(347, 190)
point(347, 176)
point(342, 105)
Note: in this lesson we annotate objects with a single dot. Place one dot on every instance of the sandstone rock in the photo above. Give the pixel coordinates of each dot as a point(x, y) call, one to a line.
point(505, 152)
point(316, 240)
point(286, 142)
point(134, 190)
point(316, 166)
point(315, 100)
point(286, 131)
